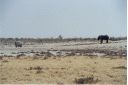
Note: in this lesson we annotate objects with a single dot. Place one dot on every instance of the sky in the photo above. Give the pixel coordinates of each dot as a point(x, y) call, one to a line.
point(69, 18)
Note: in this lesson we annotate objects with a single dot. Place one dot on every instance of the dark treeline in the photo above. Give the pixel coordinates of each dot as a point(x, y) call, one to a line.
point(42, 40)
point(118, 38)
point(51, 40)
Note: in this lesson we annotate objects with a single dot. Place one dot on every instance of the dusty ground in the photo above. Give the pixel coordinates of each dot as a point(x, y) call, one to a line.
point(108, 70)
point(92, 63)
point(116, 48)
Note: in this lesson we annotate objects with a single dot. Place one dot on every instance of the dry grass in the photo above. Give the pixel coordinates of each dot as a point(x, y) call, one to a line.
point(67, 70)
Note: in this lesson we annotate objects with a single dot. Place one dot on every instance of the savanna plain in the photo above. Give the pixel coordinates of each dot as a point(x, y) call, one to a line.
point(82, 62)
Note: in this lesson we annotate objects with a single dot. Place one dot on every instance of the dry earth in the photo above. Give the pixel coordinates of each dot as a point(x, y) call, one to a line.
point(59, 70)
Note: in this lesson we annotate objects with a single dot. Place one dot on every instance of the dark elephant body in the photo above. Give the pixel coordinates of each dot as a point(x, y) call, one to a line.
point(103, 37)
point(18, 44)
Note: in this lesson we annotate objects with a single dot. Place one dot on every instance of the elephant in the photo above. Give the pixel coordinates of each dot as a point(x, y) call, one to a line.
point(103, 37)
point(18, 44)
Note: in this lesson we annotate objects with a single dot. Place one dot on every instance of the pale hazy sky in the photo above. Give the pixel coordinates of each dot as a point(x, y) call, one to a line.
point(70, 18)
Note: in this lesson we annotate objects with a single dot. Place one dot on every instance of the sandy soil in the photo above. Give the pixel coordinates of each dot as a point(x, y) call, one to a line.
point(63, 70)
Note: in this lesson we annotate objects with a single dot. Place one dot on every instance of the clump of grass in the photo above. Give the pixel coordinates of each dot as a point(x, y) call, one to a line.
point(119, 67)
point(38, 69)
point(60, 83)
point(35, 68)
point(26, 75)
point(113, 58)
point(87, 80)
point(37, 57)
point(5, 61)
point(17, 57)
point(3, 78)
point(109, 75)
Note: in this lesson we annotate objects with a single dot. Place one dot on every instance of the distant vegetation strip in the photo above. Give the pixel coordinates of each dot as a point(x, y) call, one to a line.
point(50, 40)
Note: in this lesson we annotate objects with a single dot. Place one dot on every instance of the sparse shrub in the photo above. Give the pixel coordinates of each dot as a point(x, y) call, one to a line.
point(3, 78)
point(5, 61)
point(6, 56)
point(42, 52)
point(48, 54)
point(113, 57)
point(1, 58)
point(95, 62)
point(30, 68)
point(39, 71)
point(60, 83)
point(37, 54)
point(54, 57)
point(45, 58)
point(118, 38)
point(119, 67)
point(60, 37)
point(87, 80)
point(35, 57)
point(26, 75)
point(109, 75)
point(70, 54)
point(37, 68)
point(19, 55)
